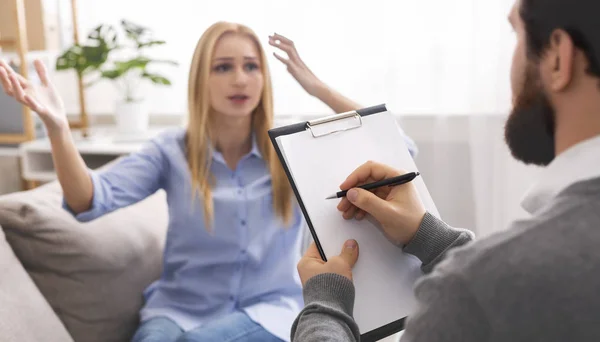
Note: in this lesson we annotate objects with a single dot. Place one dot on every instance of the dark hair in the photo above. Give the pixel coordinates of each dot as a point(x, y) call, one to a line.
point(579, 18)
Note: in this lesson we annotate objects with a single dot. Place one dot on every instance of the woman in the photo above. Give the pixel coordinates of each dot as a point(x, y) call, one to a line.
point(233, 238)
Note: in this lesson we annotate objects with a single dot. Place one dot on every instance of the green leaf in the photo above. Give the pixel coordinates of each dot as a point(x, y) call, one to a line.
point(164, 61)
point(150, 43)
point(90, 56)
point(123, 67)
point(156, 79)
point(83, 59)
point(134, 31)
point(112, 74)
point(139, 62)
point(103, 35)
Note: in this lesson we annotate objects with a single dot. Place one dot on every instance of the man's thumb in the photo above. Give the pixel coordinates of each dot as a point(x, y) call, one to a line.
point(350, 252)
point(368, 202)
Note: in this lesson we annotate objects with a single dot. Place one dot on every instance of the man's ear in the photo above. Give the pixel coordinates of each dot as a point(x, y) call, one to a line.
point(559, 60)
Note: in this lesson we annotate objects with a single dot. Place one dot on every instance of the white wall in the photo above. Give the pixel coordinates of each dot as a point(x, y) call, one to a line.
point(433, 57)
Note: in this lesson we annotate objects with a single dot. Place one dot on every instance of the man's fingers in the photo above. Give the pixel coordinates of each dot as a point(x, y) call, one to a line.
point(349, 214)
point(344, 205)
point(369, 171)
point(312, 252)
point(369, 202)
point(350, 252)
point(382, 192)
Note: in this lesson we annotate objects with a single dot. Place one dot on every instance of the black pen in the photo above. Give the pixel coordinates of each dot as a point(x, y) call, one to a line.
point(405, 178)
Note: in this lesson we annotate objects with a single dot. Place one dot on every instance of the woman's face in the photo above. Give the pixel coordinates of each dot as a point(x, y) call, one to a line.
point(235, 83)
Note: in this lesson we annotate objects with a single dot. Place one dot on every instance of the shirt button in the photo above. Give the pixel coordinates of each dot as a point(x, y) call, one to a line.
point(231, 298)
point(243, 222)
point(244, 252)
point(239, 191)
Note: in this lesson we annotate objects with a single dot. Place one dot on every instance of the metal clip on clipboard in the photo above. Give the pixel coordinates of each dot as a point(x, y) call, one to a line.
point(331, 118)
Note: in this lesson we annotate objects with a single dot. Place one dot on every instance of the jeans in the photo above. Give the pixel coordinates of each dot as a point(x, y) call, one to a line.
point(235, 327)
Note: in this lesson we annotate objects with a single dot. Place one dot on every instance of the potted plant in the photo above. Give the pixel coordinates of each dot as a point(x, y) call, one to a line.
point(93, 59)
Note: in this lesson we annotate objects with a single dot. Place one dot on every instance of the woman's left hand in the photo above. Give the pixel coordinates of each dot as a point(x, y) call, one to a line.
point(295, 65)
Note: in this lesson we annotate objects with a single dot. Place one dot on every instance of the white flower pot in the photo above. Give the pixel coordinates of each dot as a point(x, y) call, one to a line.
point(131, 117)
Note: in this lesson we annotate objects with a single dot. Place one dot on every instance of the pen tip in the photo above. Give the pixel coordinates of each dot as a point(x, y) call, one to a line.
point(330, 197)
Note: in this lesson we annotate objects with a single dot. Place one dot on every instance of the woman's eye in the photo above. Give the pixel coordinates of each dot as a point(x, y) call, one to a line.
point(251, 66)
point(222, 68)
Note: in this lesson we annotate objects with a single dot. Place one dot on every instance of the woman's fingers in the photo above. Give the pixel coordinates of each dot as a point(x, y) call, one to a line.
point(283, 39)
point(34, 105)
point(281, 59)
point(18, 91)
point(284, 44)
point(9, 70)
point(42, 72)
point(6, 82)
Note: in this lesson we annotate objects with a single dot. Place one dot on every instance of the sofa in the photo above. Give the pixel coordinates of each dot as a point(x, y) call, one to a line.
point(62, 280)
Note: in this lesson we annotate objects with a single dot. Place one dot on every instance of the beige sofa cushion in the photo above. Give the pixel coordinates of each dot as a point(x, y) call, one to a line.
point(92, 274)
point(25, 316)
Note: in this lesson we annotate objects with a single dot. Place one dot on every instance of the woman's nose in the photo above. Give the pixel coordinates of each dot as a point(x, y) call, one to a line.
point(240, 78)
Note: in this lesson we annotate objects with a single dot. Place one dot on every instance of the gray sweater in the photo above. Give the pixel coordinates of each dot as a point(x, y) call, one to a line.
point(537, 281)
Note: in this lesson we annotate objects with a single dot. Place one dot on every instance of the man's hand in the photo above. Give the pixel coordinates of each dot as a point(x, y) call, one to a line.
point(398, 209)
point(312, 265)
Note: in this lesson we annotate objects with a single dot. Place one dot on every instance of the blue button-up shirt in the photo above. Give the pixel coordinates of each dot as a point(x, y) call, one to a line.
point(246, 262)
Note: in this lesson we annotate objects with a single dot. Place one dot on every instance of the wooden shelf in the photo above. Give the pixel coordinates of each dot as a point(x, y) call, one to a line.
point(13, 138)
point(7, 42)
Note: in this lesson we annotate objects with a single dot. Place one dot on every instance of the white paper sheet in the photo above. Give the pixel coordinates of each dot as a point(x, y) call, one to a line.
point(383, 276)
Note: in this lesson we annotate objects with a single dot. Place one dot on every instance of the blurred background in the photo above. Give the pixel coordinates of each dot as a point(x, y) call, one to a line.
point(442, 67)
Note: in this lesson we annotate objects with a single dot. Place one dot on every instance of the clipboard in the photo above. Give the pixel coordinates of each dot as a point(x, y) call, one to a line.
point(327, 150)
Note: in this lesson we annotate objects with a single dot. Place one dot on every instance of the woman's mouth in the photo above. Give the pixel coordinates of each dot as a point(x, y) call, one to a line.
point(238, 99)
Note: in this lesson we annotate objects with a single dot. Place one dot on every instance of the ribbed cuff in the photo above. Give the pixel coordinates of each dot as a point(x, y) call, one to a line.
point(433, 237)
point(333, 289)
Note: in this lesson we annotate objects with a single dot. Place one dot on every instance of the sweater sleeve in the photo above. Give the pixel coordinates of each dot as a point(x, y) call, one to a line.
point(327, 315)
point(329, 298)
point(434, 239)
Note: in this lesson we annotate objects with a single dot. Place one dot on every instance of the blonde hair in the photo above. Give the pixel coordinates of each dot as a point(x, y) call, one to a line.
point(200, 135)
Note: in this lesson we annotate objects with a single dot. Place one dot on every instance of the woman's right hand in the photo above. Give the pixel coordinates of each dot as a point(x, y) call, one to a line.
point(41, 98)
point(398, 209)
point(295, 65)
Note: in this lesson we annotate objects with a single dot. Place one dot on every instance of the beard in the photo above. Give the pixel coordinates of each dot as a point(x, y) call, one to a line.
point(529, 129)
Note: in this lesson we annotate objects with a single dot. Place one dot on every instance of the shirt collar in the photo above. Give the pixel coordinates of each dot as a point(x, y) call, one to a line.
point(254, 151)
point(578, 163)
